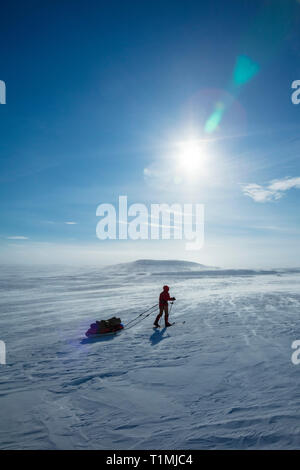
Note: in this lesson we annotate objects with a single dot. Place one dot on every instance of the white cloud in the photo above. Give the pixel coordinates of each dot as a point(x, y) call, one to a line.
point(17, 237)
point(285, 184)
point(273, 191)
point(70, 223)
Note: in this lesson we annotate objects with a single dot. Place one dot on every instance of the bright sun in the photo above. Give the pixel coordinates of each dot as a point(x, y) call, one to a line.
point(191, 157)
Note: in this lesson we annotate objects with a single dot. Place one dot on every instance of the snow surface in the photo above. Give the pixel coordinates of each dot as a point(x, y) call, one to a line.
point(222, 380)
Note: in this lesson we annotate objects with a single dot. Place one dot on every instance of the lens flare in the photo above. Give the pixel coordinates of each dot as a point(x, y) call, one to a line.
point(245, 69)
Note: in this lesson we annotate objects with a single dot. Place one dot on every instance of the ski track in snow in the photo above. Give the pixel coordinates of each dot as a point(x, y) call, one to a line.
point(222, 380)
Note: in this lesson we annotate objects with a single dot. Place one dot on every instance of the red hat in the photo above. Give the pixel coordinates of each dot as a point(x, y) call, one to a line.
point(166, 288)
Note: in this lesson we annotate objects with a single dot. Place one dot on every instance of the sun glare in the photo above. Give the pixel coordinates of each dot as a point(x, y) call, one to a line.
point(191, 157)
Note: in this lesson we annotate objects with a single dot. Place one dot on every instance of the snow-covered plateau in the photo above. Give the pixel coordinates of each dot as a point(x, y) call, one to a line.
point(224, 379)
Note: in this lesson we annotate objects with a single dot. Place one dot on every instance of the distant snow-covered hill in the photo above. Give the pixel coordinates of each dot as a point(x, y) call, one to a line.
point(154, 266)
point(179, 268)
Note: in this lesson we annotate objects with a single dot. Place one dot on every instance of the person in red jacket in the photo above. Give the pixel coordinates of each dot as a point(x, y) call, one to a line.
point(163, 306)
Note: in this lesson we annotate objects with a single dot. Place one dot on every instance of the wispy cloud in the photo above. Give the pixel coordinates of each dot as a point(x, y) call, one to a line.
point(71, 223)
point(17, 237)
point(271, 192)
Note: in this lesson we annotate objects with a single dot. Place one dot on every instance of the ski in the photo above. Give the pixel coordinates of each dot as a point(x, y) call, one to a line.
point(173, 323)
point(178, 323)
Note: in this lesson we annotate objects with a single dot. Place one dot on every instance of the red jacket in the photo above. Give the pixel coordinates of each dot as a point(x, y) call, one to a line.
point(164, 297)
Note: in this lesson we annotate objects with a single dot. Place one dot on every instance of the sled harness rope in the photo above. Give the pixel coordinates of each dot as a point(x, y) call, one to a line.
point(141, 317)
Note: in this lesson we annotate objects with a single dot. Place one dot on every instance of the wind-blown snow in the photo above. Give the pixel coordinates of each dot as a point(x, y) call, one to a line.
point(223, 380)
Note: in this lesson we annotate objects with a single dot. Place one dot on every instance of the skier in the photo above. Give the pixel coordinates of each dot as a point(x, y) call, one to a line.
point(163, 306)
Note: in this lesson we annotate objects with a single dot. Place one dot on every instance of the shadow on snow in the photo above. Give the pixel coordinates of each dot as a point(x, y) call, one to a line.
point(157, 336)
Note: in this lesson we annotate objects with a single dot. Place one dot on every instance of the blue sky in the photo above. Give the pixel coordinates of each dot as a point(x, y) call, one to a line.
point(98, 95)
